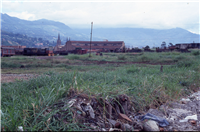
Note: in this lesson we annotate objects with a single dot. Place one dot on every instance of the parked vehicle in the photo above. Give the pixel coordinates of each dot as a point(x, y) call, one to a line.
point(7, 51)
point(38, 51)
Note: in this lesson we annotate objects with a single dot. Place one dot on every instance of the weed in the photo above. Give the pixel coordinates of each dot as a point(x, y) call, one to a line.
point(195, 53)
point(121, 58)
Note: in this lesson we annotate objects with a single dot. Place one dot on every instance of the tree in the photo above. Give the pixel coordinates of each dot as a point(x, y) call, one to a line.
point(163, 45)
point(40, 39)
point(170, 44)
point(147, 47)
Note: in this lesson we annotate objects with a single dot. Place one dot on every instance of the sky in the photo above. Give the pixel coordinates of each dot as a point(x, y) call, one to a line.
point(162, 14)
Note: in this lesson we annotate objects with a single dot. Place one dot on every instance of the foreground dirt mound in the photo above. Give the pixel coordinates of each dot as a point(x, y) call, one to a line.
point(117, 114)
point(100, 114)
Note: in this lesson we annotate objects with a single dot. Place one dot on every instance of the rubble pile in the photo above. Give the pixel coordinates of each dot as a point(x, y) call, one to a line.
point(118, 114)
point(109, 114)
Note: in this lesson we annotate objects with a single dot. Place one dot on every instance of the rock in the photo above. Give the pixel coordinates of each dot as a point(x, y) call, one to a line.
point(128, 127)
point(150, 126)
point(113, 122)
point(156, 112)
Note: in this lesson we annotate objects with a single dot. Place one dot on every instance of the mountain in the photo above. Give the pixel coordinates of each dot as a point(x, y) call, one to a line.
point(48, 30)
point(42, 28)
point(12, 39)
point(143, 36)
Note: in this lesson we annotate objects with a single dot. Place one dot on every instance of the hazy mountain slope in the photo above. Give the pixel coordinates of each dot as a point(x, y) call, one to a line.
point(11, 39)
point(143, 37)
point(42, 28)
point(48, 30)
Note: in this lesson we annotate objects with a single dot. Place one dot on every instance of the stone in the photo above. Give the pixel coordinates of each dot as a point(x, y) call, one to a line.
point(156, 112)
point(128, 127)
point(150, 125)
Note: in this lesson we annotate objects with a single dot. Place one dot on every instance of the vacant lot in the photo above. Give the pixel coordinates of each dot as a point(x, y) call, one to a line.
point(139, 76)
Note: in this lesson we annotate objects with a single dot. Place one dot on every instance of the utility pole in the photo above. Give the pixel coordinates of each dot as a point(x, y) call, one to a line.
point(91, 38)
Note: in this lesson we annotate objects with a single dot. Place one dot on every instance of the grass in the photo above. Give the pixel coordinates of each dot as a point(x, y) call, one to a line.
point(24, 103)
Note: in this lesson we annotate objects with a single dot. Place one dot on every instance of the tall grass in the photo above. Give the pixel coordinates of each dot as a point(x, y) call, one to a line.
point(24, 103)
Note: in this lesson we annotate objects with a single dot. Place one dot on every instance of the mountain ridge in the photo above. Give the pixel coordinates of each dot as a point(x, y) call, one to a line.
point(135, 37)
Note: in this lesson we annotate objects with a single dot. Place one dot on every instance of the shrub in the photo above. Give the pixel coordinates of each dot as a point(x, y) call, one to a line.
point(121, 58)
point(132, 70)
point(145, 58)
point(184, 63)
point(74, 57)
point(196, 53)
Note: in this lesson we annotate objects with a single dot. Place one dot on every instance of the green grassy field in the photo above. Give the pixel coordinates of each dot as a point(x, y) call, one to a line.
point(24, 102)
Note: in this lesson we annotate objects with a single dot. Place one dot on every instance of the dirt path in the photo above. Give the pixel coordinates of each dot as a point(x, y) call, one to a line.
point(5, 78)
point(114, 62)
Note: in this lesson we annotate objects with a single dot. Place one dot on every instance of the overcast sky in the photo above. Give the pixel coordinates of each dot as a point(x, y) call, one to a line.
point(110, 13)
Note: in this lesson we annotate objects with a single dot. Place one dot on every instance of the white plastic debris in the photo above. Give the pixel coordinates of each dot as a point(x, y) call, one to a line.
point(1, 113)
point(71, 102)
point(114, 129)
point(193, 117)
point(185, 99)
point(89, 108)
point(20, 128)
point(103, 129)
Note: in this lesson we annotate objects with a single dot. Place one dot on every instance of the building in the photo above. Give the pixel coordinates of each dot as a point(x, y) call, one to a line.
point(58, 46)
point(188, 45)
point(95, 45)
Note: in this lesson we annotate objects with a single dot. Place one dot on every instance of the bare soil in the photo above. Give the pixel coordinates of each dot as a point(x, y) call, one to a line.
point(5, 78)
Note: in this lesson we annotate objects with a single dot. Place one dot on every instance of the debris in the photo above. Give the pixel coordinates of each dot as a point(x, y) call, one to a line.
point(103, 129)
point(161, 129)
point(161, 121)
point(71, 102)
point(150, 125)
point(113, 122)
point(88, 108)
point(20, 128)
point(128, 127)
point(185, 99)
point(123, 116)
point(193, 117)
point(1, 112)
point(193, 122)
point(114, 129)
point(118, 125)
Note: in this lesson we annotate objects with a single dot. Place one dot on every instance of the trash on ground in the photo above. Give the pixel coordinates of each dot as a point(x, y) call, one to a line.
point(161, 121)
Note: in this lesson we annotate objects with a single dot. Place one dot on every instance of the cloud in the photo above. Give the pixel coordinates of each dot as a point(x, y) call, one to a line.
point(111, 14)
point(23, 15)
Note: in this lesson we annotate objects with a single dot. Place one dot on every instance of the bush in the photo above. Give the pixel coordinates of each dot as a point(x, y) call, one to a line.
point(196, 53)
point(132, 70)
point(184, 63)
point(74, 57)
point(121, 58)
point(145, 58)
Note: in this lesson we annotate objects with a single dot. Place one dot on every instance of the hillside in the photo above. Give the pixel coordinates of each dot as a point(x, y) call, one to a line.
point(11, 39)
point(42, 28)
point(48, 30)
point(142, 37)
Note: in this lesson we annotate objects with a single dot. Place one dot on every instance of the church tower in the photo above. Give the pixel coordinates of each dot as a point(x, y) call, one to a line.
point(58, 41)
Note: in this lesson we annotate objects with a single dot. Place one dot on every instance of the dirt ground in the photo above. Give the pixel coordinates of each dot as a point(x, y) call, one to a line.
point(5, 78)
